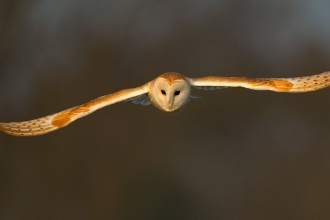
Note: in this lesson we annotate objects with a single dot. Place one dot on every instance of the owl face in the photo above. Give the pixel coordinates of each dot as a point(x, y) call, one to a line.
point(169, 92)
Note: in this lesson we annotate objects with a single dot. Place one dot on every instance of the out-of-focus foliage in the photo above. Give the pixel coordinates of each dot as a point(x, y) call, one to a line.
point(234, 154)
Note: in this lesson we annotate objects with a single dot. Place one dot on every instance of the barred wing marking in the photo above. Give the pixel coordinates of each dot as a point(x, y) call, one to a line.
point(298, 84)
point(53, 122)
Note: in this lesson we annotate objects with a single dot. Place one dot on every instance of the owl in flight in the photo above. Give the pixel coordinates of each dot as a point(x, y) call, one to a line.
point(168, 92)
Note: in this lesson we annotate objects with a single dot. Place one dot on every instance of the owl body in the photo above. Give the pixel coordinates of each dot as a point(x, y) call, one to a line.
point(168, 92)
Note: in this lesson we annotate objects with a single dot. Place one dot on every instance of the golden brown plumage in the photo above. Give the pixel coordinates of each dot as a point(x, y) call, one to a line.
point(298, 84)
point(168, 92)
point(53, 122)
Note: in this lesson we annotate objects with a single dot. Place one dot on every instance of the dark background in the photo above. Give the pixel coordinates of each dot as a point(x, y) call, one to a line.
point(234, 154)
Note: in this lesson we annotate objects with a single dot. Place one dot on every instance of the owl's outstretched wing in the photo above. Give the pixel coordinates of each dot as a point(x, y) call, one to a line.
point(53, 122)
point(297, 84)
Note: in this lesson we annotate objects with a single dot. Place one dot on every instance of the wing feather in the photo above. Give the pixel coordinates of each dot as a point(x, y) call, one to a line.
point(53, 122)
point(297, 84)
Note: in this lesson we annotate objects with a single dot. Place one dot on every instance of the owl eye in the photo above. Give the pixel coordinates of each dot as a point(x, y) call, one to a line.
point(176, 92)
point(163, 92)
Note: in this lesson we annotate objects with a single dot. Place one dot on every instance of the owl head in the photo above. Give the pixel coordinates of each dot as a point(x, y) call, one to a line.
point(169, 91)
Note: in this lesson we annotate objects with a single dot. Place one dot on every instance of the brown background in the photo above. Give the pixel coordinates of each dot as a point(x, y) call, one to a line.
point(234, 154)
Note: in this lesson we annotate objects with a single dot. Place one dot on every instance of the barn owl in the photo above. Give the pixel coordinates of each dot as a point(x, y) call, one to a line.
point(168, 92)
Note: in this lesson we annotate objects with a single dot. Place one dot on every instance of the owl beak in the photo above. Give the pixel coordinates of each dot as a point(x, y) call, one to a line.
point(169, 101)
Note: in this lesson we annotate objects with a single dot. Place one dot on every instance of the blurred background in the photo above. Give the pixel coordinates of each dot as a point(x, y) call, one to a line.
point(233, 154)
